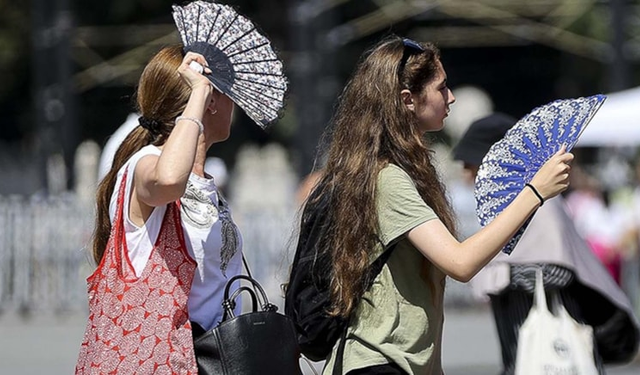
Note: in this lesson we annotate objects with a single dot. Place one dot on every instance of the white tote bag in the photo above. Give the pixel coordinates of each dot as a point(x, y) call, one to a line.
point(553, 344)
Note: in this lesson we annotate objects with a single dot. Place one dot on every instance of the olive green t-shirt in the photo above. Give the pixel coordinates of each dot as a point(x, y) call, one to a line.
point(400, 318)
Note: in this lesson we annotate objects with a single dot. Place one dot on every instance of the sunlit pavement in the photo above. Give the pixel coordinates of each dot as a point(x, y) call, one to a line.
point(49, 345)
point(471, 347)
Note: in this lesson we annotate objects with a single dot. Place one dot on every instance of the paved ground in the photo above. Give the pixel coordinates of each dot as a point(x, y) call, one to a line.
point(49, 345)
point(470, 345)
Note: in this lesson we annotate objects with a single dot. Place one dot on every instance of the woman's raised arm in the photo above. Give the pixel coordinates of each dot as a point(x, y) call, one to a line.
point(162, 179)
point(462, 260)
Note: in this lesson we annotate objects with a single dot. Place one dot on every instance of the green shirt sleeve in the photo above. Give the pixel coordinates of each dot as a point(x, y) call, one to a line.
point(400, 206)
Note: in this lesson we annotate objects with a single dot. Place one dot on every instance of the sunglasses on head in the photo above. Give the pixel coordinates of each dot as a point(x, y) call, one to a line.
point(410, 47)
point(412, 44)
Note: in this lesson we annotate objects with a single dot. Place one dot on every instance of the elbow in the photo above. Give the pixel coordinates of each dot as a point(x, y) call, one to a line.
point(463, 278)
point(463, 274)
point(170, 180)
point(168, 189)
point(171, 183)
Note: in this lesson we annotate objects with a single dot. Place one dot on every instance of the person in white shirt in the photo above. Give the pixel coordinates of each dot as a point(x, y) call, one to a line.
point(165, 243)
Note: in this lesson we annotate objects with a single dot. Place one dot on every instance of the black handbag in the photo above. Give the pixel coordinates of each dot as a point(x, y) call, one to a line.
point(258, 342)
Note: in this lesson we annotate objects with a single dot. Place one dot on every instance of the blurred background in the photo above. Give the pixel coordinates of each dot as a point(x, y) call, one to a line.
point(69, 70)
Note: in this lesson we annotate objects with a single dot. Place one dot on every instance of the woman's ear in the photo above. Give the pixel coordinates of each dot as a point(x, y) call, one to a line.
point(212, 106)
point(407, 99)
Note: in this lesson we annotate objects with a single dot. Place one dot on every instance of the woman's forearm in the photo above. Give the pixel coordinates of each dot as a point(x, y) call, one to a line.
point(483, 246)
point(462, 260)
point(167, 177)
point(178, 154)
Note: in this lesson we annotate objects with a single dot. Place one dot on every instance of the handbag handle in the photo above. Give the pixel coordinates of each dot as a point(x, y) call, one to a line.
point(229, 304)
point(266, 305)
point(539, 296)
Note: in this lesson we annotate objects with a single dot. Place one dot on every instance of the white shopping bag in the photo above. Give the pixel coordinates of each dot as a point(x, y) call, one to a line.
point(550, 344)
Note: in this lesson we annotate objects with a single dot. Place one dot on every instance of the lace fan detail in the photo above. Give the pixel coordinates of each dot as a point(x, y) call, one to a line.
point(245, 66)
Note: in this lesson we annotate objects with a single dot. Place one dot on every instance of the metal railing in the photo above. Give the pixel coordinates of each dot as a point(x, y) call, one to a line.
point(43, 262)
point(45, 256)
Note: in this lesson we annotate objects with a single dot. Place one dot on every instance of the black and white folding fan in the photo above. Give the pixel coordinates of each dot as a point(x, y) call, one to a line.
point(243, 63)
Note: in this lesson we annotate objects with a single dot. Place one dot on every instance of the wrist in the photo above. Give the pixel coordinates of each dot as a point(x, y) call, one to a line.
point(535, 192)
point(202, 89)
point(192, 120)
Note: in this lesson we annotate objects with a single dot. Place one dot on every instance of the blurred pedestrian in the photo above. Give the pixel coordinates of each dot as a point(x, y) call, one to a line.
point(570, 269)
point(383, 189)
point(165, 243)
point(625, 203)
point(595, 220)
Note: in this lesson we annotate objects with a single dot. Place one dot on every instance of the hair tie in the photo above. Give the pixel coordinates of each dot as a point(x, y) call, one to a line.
point(152, 125)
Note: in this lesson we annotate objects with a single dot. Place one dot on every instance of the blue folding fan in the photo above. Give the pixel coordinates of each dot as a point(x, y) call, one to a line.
point(244, 65)
point(513, 161)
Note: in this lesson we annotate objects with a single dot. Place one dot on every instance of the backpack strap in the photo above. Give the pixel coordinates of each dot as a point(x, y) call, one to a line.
point(337, 365)
point(374, 271)
point(378, 264)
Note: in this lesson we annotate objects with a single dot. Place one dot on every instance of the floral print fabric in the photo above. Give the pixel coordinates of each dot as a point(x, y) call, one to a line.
point(140, 325)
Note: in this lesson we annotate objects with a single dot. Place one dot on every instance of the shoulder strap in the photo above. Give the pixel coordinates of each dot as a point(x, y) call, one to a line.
point(246, 265)
point(118, 226)
point(378, 264)
point(337, 365)
point(374, 271)
point(540, 300)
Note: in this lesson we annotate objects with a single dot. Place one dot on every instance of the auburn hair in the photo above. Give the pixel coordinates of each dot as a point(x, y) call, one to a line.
point(161, 96)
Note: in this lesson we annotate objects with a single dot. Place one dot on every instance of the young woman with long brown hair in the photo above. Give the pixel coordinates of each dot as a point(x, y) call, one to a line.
point(383, 189)
point(164, 241)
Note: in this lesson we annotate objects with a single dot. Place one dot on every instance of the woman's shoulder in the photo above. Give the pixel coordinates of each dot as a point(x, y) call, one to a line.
point(133, 159)
point(395, 183)
point(392, 173)
point(146, 150)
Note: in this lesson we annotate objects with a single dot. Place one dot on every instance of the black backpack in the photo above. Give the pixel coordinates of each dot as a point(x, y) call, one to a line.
point(307, 296)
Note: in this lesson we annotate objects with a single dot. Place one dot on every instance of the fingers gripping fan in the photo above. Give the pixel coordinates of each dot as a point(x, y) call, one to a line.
point(513, 161)
point(243, 63)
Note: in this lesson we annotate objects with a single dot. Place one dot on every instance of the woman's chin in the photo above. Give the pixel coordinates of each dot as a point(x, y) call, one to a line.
point(222, 137)
point(435, 128)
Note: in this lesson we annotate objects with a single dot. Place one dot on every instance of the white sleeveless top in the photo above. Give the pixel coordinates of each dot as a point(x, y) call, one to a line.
point(212, 239)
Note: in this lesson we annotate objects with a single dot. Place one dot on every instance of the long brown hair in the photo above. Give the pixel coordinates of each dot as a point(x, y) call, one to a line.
point(161, 97)
point(372, 128)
